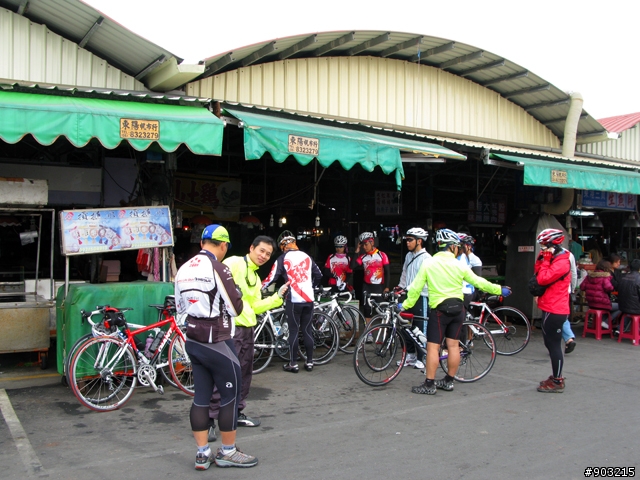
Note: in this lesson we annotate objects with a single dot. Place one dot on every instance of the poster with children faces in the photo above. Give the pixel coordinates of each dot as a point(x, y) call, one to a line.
point(108, 230)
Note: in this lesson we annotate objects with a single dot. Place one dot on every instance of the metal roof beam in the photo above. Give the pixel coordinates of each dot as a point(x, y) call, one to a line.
point(255, 56)
point(462, 59)
point(150, 67)
point(433, 51)
point(479, 68)
point(97, 24)
point(555, 103)
point(591, 134)
point(561, 119)
point(23, 7)
point(293, 49)
point(506, 78)
point(402, 46)
point(524, 91)
point(368, 44)
point(219, 64)
point(334, 44)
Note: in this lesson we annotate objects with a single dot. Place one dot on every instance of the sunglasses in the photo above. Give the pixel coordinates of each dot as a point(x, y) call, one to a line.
point(409, 239)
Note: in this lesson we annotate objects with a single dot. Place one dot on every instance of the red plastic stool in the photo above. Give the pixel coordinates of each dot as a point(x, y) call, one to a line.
point(596, 317)
point(634, 332)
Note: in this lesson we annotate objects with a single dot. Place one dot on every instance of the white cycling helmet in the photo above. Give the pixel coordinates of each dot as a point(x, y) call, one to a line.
point(285, 238)
point(417, 232)
point(445, 236)
point(340, 241)
point(364, 236)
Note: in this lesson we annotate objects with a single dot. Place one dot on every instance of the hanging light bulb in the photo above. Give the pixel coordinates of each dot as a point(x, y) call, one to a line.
point(284, 220)
point(595, 222)
point(317, 221)
point(271, 221)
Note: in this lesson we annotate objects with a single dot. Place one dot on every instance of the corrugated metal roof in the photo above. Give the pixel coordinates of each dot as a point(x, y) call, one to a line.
point(620, 123)
point(451, 142)
point(95, 32)
point(133, 95)
point(545, 102)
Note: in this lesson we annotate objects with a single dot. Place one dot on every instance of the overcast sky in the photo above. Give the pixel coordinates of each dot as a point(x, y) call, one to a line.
point(588, 47)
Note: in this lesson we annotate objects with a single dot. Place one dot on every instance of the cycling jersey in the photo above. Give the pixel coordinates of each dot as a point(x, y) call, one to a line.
point(245, 275)
point(375, 265)
point(300, 270)
point(444, 275)
point(205, 291)
point(339, 266)
point(467, 288)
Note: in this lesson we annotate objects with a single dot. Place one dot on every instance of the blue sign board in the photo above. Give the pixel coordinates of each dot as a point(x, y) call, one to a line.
point(609, 200)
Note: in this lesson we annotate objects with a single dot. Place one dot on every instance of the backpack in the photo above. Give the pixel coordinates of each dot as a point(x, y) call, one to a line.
point(538, 290)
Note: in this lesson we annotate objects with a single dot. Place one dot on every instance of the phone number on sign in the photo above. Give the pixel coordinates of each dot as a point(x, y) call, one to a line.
point(610, 472)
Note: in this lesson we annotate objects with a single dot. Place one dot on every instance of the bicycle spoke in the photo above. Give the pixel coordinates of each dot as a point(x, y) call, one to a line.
point(379, 358)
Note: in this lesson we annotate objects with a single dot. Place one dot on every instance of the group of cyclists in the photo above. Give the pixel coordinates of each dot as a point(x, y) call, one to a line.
point(221, 301)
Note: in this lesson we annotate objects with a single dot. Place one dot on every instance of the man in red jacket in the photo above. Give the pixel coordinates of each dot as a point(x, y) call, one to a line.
point(552, 269)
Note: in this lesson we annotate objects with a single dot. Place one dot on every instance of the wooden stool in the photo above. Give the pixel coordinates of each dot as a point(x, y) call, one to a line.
point(596, 317)
point(634, 332)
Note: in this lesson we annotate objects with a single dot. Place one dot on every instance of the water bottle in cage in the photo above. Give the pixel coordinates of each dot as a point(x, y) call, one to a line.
point(156, 340)
point(277, 327)
point(420, 336)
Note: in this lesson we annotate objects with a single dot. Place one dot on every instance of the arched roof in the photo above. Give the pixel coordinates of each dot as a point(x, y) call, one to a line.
point(542, 100)
point(95, 32)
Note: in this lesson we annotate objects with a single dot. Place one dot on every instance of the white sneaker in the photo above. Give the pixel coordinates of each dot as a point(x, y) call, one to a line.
point(410, 361)
point(604, 325)
point(419, 365)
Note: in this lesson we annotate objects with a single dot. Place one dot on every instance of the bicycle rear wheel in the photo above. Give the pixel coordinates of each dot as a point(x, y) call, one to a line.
point(180, 365)
point(513, 335)
point(70, 354)
point(349, 320)
point(325, 339)
point(102, 373)
point(379, 359)
point(263, 346)
point(477, 354)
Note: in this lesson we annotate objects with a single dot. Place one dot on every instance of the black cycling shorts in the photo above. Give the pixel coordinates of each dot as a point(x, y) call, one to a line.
point(441, 326)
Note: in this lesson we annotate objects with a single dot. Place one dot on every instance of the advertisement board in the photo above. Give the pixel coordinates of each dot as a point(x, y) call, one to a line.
point(113, 229)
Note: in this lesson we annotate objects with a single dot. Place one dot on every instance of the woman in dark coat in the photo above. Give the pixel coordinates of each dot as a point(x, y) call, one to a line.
point(597, 288)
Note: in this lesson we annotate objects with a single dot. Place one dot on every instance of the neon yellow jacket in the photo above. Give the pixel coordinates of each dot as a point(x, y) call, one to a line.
point(252, 300)
point(443, 274)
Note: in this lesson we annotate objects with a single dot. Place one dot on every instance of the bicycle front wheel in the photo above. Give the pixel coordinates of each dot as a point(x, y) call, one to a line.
point(379, 355)
point(349, 320)
point(511, 330)
point(102, 373)
point(263, 346)
point(180, 365)
point(325, 339)
point(477, 354)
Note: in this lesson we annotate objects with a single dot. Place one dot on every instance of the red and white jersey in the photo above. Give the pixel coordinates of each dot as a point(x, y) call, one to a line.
point(340, 265)
point(300, 270)
point(373, 264)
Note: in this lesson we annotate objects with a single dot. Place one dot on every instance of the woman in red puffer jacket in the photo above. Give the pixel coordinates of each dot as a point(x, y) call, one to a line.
point(597, 287)
point(553, 270)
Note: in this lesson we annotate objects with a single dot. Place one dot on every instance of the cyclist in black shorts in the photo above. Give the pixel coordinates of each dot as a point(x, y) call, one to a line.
point(206, 292)
point(377, 273)
point(444, 274)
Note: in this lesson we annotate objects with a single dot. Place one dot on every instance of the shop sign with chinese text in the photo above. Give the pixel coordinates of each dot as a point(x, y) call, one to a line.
point(305, 145)
point(139, 129)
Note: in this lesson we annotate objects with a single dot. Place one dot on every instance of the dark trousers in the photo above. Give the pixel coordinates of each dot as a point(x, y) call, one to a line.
point(243, 341)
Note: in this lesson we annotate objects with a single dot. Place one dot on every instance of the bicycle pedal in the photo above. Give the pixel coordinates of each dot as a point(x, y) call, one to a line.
point(160, 389)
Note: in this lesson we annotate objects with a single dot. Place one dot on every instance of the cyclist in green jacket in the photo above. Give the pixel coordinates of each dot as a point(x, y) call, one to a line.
point(443, 274)
point(245, 275)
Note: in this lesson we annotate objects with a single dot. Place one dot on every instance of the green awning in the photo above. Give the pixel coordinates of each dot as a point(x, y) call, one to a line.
point(547, 173)
point(283, 137)
point(47, 117)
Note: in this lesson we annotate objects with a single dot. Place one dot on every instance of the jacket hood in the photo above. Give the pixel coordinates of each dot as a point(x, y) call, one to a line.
point(598, 274)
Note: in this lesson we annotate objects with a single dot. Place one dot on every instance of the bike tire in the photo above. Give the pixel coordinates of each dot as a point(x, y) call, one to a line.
point(180, 365)
point(70, 354)
point(477, 357)
point(162, 364)
point(325, 339)
point(380, 360)
point(103, 373)
point(518, 330)
point(350, 321)
point(263, 346)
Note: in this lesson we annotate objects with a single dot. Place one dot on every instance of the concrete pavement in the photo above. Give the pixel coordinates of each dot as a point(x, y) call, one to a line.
point(328, 424)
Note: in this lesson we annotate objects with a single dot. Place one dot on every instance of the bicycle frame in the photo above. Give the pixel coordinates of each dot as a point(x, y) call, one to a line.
point(485, 311)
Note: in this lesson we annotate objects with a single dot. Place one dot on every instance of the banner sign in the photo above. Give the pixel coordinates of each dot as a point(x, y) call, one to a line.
point(609, 200)
point(388, 203)
point(216, 197)
point(100, 230)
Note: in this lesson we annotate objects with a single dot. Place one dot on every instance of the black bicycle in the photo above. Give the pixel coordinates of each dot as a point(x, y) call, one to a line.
point(381, 350)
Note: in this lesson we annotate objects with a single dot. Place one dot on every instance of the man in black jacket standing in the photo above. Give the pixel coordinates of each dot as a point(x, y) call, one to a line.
point(629, 292)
